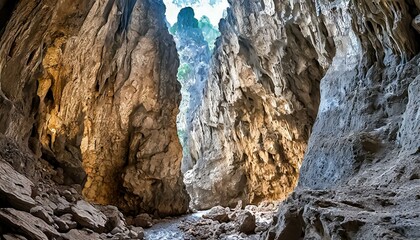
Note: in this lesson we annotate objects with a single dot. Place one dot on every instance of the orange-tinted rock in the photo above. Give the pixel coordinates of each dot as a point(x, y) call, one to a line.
point(94, 86)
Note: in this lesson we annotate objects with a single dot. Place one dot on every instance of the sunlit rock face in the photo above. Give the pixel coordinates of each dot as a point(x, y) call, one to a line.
point(194, 54)
point(260, 103)
point(360, 174)
point(91, 87)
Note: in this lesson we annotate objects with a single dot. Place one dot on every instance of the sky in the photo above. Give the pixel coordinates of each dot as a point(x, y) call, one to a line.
point(204, 8)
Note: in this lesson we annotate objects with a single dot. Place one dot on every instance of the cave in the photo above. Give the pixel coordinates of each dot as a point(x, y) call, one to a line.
point(209, 119)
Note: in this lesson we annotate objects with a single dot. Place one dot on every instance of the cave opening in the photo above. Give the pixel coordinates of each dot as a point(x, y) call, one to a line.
point(194, 26)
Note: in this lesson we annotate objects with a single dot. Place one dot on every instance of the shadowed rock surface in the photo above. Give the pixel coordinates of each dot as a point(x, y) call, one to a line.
point(352, 65)
point(57, 212)
point(15, 188)
point(90, 87)
point(363, 152)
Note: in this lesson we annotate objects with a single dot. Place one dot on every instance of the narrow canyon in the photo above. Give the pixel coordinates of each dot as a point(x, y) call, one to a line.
point(174, 119)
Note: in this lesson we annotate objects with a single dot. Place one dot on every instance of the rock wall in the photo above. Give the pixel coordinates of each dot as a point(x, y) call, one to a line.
point(90, 87)
point(194, 55)
point(260, 103)
point(359, 178)
point(354, 66)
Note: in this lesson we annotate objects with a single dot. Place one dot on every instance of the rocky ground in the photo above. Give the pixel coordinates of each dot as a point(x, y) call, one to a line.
point(169, 228)
point(374, 212)
point(43, 209)
point(47, 211)
point(216, 223)
point(226, 223)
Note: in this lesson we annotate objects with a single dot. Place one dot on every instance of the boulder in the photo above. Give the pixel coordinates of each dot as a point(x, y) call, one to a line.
point(81, 234)
point(88, 216)
point(41, 213)
point(68, 195)
point(136, 232)
point(218, 213)
point(62, 205)
point(114, 216)
point(15, 188)
point(13, 237)
point(62, 225)
point(47, 204)
point(65, 222)
point(68, 219)
point(30, 226)
point(246, 222)
point(143, 220)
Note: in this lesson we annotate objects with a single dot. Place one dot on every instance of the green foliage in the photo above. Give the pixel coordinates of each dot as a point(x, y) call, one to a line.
point(182, 134)
point(210, 32)
point(173, 29)
point(204, 21)
point(183, 71)
point(182, 3)
point(183, 138)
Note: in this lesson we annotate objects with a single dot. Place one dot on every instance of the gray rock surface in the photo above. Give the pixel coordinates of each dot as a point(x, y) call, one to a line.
point(349, 213)
point(115, 217)
point(15, 188)
point(28, 225)
point(261, 100)
point(218, 213)
point(360, 169)
point(344, 73)
point(137, 233)
point(13, 237)
point(82, 234)
point(41, 213)
point(68, 219)
point(88, 216)
point(53, 217)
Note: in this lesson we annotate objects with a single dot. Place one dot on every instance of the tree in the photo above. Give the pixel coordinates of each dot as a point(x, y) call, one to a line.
point(210, 32)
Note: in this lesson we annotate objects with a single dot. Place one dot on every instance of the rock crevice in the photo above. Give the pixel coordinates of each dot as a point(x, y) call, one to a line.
point(261, 100)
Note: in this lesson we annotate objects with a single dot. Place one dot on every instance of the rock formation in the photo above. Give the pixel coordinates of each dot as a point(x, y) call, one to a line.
point(260, 103)
point(225, 223)
point(194, 55)
point(352, 65)
point(90, 87)
point(324, 91)
point(359, 178)
point(46, 211)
